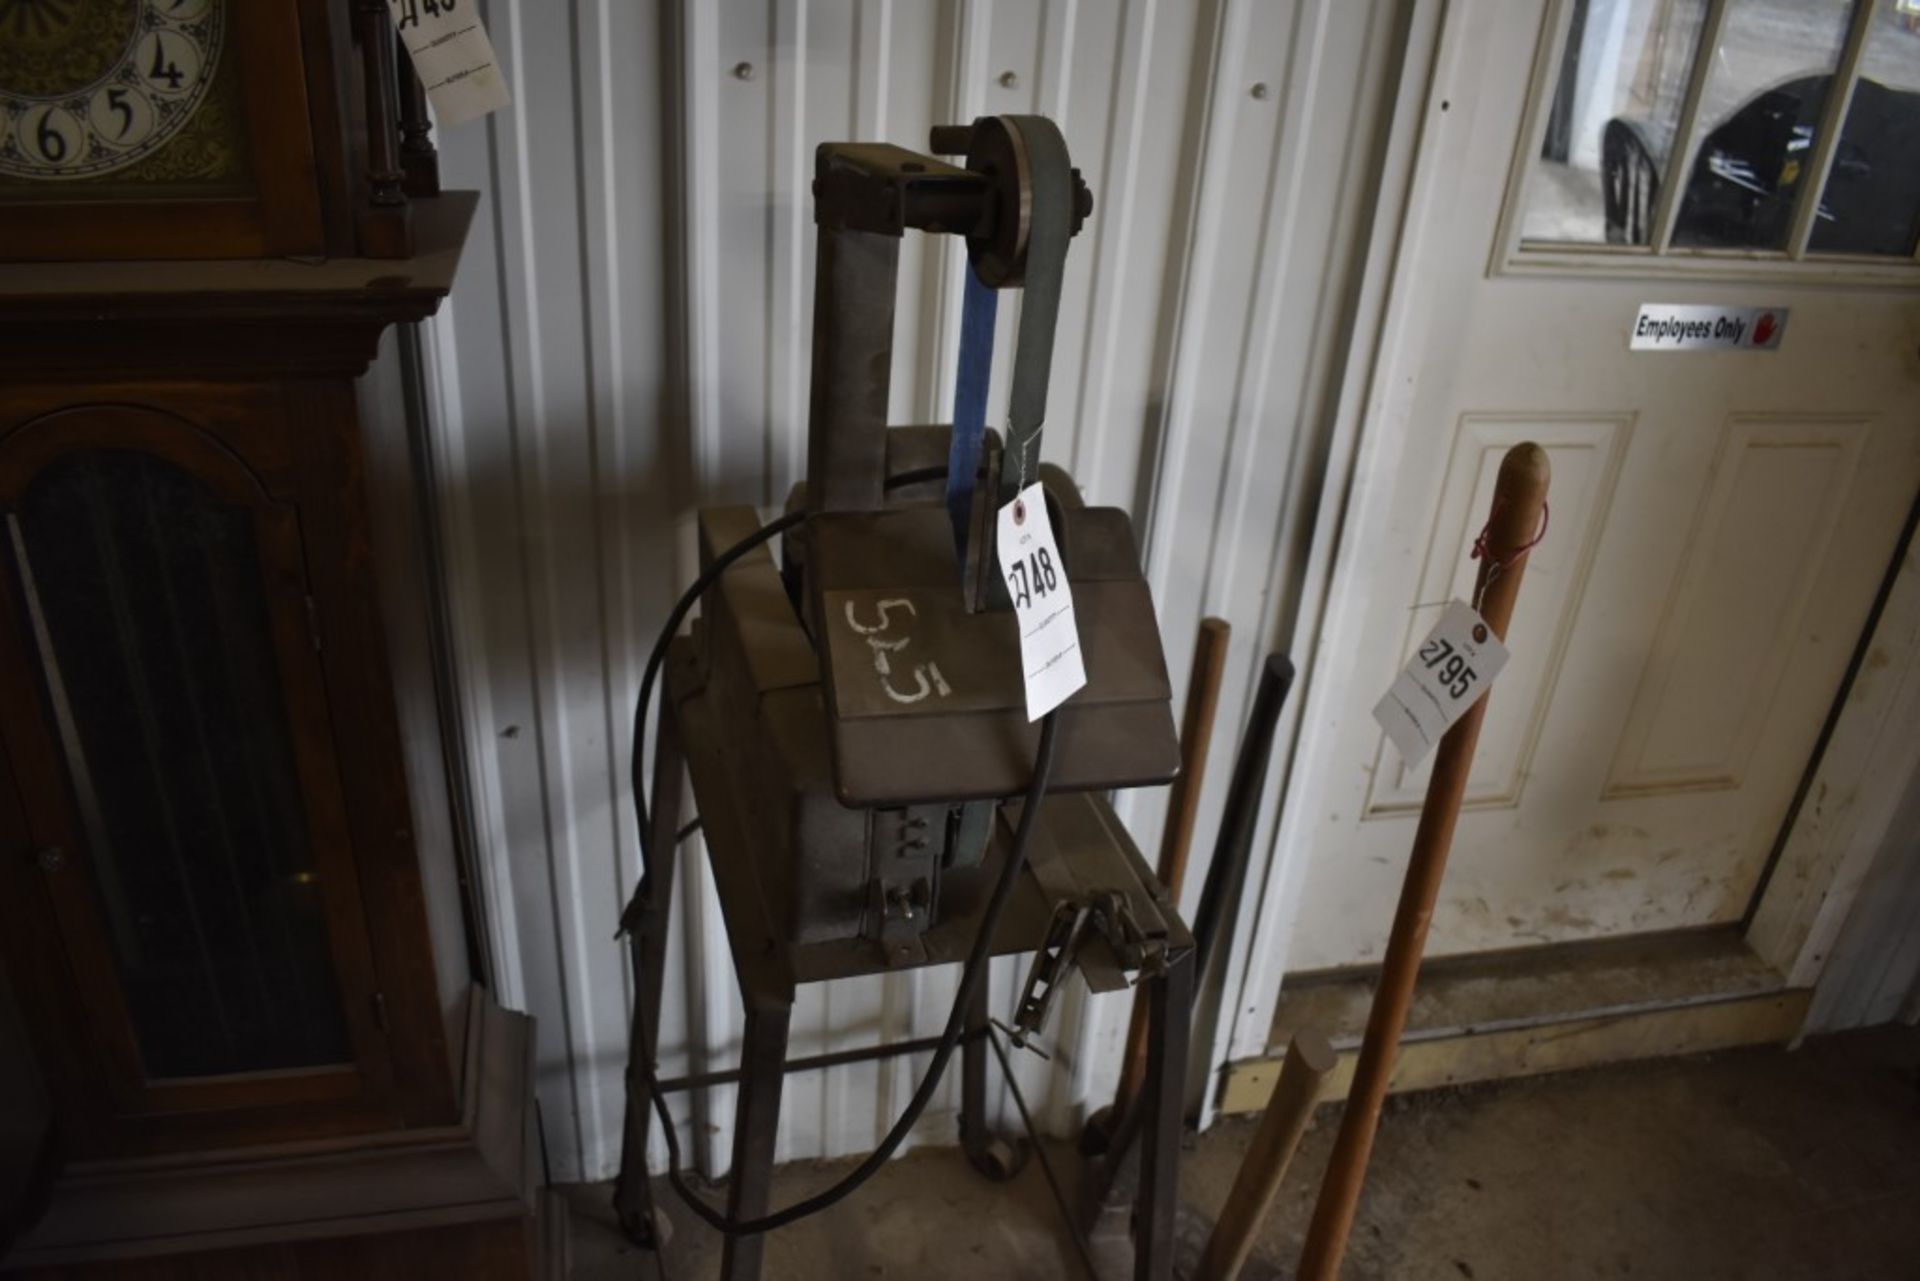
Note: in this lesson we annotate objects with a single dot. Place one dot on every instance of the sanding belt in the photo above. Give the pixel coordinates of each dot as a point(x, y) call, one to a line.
point(1049, 228)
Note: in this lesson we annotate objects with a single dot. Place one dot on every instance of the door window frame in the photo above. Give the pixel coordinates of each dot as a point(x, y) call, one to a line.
point(1661, 259)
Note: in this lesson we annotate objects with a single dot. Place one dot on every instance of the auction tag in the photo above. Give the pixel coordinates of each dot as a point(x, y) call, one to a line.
point(1042, 603)
point(453, 57)
point(1445, 676)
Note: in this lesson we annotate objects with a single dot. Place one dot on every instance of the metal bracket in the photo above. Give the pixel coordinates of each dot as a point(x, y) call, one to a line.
point(906, 847)
point(1103, 913)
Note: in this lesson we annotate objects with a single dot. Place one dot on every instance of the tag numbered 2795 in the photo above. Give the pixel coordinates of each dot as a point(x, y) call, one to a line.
point(1446, 675)
point(1449, 666)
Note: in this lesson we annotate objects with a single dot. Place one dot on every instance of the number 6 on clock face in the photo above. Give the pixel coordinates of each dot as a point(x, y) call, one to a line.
point(50, 133)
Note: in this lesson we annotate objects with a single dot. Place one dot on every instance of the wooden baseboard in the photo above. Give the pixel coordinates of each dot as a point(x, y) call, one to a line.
point(399, 1205)
point(1521, 1014)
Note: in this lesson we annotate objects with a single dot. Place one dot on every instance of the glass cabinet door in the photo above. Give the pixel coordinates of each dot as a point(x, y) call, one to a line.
point(197, 852)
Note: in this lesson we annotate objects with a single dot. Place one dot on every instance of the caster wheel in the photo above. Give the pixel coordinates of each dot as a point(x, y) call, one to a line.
point(999, 1160)
point(647, 1234)
point(1096, 1137)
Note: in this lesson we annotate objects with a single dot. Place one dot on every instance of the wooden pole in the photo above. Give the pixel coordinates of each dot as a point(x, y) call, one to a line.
point(1309, 1059)
point(1519, 497)
point(1183, 807)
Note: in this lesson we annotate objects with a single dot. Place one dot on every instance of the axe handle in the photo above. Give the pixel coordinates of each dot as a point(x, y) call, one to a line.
point(1513, 525)
point(1309, 1059)
point(1183, 807)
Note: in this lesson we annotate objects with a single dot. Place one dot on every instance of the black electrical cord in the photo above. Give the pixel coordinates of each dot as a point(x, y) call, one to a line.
point(682, 607)
point(688, 599)
point(972, 974)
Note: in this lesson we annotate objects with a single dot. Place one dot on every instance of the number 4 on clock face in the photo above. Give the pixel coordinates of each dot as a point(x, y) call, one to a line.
point(167, 61)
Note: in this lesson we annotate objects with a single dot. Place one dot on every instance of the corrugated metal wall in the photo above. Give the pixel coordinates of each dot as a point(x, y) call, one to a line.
point(1873, 975)
point(629, 339)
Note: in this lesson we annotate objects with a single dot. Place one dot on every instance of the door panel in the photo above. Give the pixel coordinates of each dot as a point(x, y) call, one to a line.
point(1720, 521)
point(163, 701)
point(1586, 454)
point(1714, 670)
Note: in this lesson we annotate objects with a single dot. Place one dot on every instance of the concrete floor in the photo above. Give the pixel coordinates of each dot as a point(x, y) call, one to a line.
point(1757, 1163)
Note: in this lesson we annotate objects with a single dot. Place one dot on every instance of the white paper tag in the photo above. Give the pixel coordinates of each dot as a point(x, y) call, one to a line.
point(1446, 675)
point(1042, 603)
point(453, 57)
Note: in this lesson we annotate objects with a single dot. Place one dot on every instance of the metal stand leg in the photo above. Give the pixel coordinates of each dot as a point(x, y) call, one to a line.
point(973, 1076)
point(1153, 1229)
point(756, 1126)
point(646, 949)
point(988, 1153)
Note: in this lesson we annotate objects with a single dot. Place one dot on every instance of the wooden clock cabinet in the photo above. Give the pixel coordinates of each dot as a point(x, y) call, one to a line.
point(242, 1034)
point(229, 898)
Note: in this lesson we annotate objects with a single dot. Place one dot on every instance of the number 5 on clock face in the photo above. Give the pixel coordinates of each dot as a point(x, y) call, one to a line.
point(120, 116)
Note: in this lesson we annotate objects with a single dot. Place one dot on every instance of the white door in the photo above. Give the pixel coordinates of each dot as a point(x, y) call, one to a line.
point(1720, 520)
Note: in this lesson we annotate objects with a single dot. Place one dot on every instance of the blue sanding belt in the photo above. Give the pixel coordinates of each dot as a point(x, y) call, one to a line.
point(970, 405)
point(1049, 229)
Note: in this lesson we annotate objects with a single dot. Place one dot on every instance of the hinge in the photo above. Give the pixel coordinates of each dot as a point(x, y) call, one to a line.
point(313, 624)
point(380, 1010)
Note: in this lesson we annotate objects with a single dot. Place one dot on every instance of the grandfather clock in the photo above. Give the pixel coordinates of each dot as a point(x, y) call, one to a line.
point(230, 905)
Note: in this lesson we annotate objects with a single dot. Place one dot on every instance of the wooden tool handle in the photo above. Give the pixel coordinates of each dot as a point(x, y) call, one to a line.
point(1519, 498)
point(1196, 731)
point(1183, 808)
point(1309, 1059)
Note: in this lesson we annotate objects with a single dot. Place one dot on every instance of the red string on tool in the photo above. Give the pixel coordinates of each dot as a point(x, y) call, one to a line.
point(1481, 551)
point(1496, 567)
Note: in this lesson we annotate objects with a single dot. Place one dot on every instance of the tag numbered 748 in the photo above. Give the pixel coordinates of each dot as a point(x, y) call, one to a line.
point(406, 13)
point(1033, 577)
point(1050, 659)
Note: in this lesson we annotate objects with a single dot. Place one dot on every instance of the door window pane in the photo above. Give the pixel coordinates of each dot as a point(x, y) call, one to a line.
point(1871, 203)
point(1765, 88)
point(1611, 121)
point(159, 673)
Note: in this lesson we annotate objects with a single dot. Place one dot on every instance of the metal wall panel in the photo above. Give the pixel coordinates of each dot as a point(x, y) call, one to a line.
point(1873, 976)
point(629, 339)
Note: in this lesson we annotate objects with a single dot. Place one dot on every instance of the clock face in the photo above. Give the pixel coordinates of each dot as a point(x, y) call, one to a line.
point(92, 87)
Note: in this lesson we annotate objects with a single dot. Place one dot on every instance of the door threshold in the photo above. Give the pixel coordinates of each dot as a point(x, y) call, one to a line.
point(1520, 1013)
